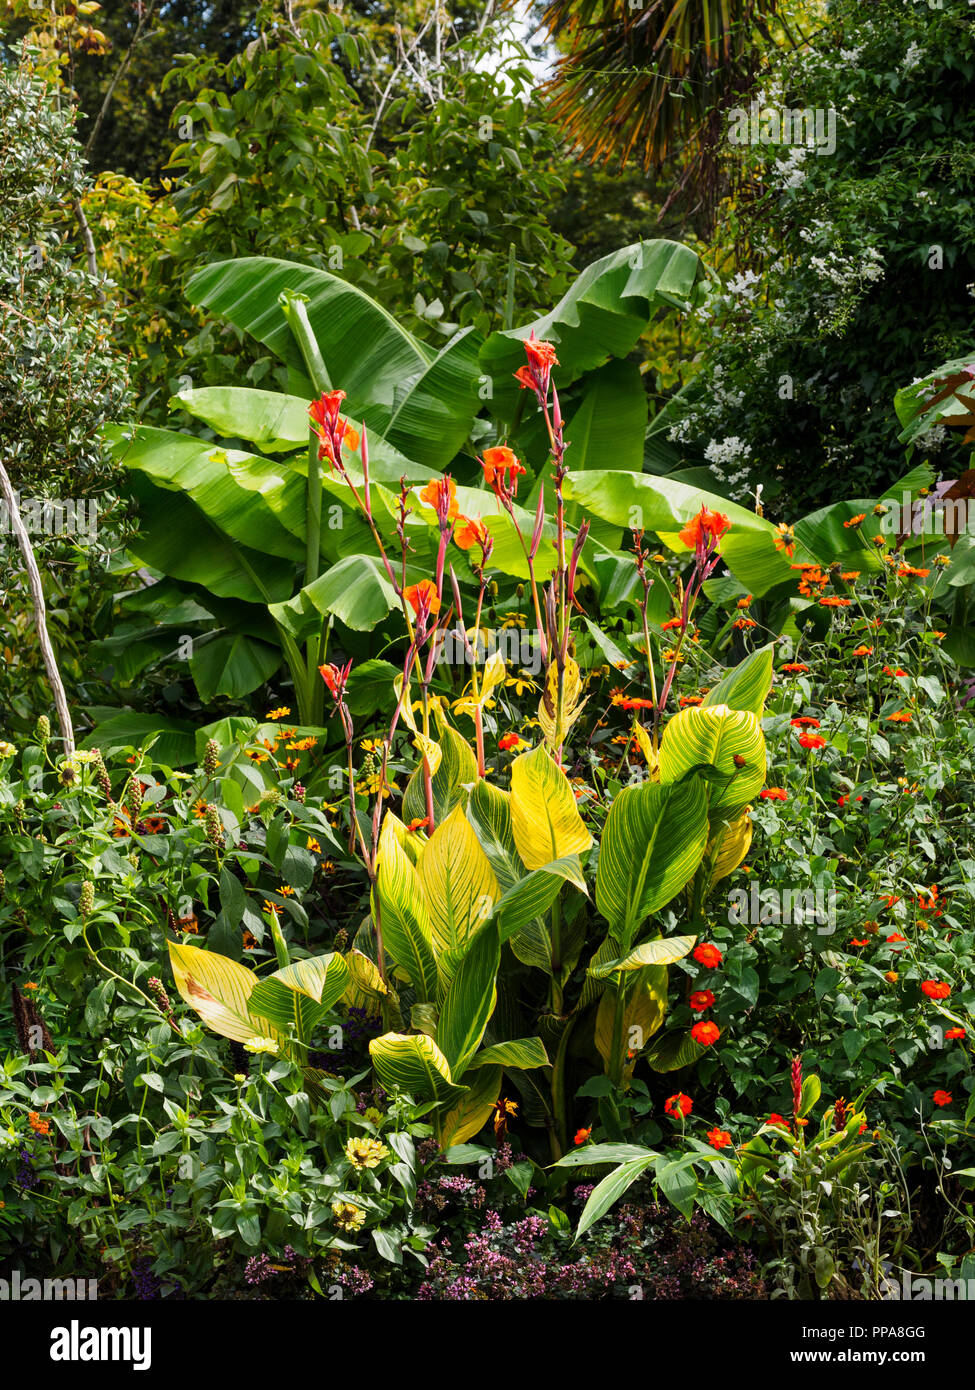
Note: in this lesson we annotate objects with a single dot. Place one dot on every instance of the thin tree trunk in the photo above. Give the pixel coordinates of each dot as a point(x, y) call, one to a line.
point(40, 611)
point(144, 19)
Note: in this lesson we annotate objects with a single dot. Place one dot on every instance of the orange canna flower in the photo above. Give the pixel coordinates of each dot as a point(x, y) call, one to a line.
point(470, 531)
point(582, 1136)
point(501, 470)
point(423, 596)
point(441, 495)
point(705, 529)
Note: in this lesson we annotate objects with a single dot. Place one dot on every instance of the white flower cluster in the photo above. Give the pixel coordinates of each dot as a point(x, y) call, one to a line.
point(727, 450)
point(912, 58)
point(790, 172)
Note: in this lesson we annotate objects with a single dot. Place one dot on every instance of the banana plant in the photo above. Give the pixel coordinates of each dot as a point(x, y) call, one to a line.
point(257, 553)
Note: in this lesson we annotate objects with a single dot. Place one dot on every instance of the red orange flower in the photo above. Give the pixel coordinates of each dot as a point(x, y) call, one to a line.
point(811, 741)
point(679, 1105)
point(805, 721)
point(942, 1097)
point(954, 1033)
point(705, 1033)
point(701, 999)
point(582, 1135)
point(794, 668)
point(935, 989)
point(774, 794)
point(855, 520)
point(863, 651)
point(508, 741)
point(719, 1138)
point(708, 955)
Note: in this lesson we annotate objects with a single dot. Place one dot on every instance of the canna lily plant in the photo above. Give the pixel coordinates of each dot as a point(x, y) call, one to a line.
point(500, 937)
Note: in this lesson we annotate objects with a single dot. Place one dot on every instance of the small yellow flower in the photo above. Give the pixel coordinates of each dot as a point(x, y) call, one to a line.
point(281, 713)
point(374, 1116)
point(365, 1153)
point(239, 1077)
point(261, 1044)
point(313, 845)
point(348, 1217)
point(7, 750)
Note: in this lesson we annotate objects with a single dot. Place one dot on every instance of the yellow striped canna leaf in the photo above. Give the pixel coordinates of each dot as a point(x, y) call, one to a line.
point(219, 990)
point(729, 846)
point(556, 716)
point(652, 843)
point(366, 987)
point(472, 1111)
point(729, 741)
point(545, 819)
point(405, 924)
point(747, 686)
point(457, 768)
point(642, 1000)
point(457, 884)
point(413, 1062)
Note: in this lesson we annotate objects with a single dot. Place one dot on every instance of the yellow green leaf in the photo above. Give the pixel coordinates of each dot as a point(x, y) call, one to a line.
point(218, 989)
point(458, 886)
point(545, 819)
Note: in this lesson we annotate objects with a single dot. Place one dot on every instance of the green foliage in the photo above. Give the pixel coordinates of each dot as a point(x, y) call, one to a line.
point(855, 266)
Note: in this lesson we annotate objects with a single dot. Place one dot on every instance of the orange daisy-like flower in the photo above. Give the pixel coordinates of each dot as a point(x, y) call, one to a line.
point(774, 794)
point(811, 741)
point(909, 572)
point(942, 1097)
point(700, 1000)
point(804, 721)
point(863, 651)
point(935, 989)
point(855, 520)
point(742, 623)
point(859, 943)
point(888, 671)
point(671, 623)
point(708, 955)
point(509, 741)
point(719, 1138)
point(955, 1033)
point(833, 602)
point(785, 539)
point(794, 668)
point(679, 1106)
point(900, 716)
point(582, 1136)
point(705, 1033)
point(423, 596)
point(690, 701)
point(420, 823)
point(38, 1125)
point(779, 1121)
